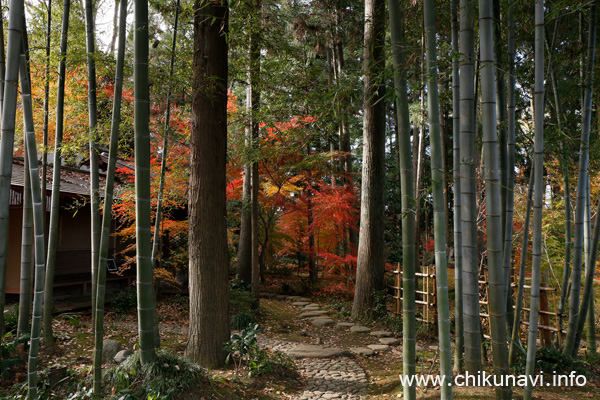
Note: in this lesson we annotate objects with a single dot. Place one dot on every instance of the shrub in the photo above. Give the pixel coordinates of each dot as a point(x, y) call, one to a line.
point(124, 301)
point(243, 349)
point(167, 377)
point(242, 320)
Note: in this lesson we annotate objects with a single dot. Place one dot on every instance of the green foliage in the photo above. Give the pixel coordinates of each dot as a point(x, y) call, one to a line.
point(124, 301)
point(241, 300)
point(243, 349)
point(551, 360)
point(165, 378)
point(242, 320)
point(11, 318)
point(8, 356)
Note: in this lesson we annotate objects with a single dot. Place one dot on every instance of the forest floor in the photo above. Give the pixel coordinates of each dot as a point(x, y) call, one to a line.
point(280, 321)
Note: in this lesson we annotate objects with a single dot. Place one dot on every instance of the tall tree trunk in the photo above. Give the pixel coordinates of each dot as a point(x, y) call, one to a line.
point(145, 287)
point(472, 330)
point(458, 279)
point(370, 260)
point(496, 288)
point(108, 202)
point(538, 200)
point(9, 109)
point(93, 132)
point(209, 304)
point(26, 253)
point(56, 174)
point(569, 346)
point(253, 104)
point(439, 217)
point(407, 198)
point(38, 212)
point(244, 255)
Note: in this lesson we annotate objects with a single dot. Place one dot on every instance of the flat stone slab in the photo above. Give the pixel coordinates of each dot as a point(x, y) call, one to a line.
point(359, 329)
point(322, 321)
point(349, 324)
point(316, 351)
point(390, 341)
point(362, 351)
point(379, 347)
point(309, 314)
point(281, 297)
point(301, 303)
point(298, 298)
point(311, 308)
point(381, 334)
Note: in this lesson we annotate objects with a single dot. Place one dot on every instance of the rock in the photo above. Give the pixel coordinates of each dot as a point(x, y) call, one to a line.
point(300, 303)
point(379, 347)
point(348, 324)
point(359, 329)
point(381, 334)
point(323, 321)
point(309, 314)
point(315, 351)
point(311, 308)
point(265, 295)
point(281, 297)
point(122, 356)
point(362, 351)
point(109, 349)
point(389, 341)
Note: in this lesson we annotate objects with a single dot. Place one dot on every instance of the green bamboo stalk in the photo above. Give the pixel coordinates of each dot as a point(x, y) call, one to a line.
point(496, 287)
point(165, 149)
point(458, 280)
point(145, 289)
point(407, 199)
point(539, 193)
point(510, 176)
point(439, 218)
point(46, 105)
point(93, 123)
point(56, 173)
point(163, 167)
point(512, 352)
point(26, 254)
point(567, 194)
point(9, 109)
point(569, 346)
point(502, 145)
point(590, 320)
point(472, 329)
point(38, 213)
point(588, 291)
point(108, 202)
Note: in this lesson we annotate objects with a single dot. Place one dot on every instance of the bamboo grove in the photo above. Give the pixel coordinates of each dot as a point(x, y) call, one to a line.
point(437, 129)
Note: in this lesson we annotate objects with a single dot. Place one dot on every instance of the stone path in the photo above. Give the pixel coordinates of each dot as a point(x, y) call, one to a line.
point(331, 373)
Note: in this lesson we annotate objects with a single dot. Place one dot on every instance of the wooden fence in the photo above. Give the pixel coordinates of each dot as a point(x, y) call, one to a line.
point(426, 301)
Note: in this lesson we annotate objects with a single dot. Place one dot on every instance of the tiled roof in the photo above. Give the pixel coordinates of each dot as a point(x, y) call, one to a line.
point(71, 182)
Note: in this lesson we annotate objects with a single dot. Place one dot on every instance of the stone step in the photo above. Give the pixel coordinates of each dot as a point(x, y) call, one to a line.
point(316, 351)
